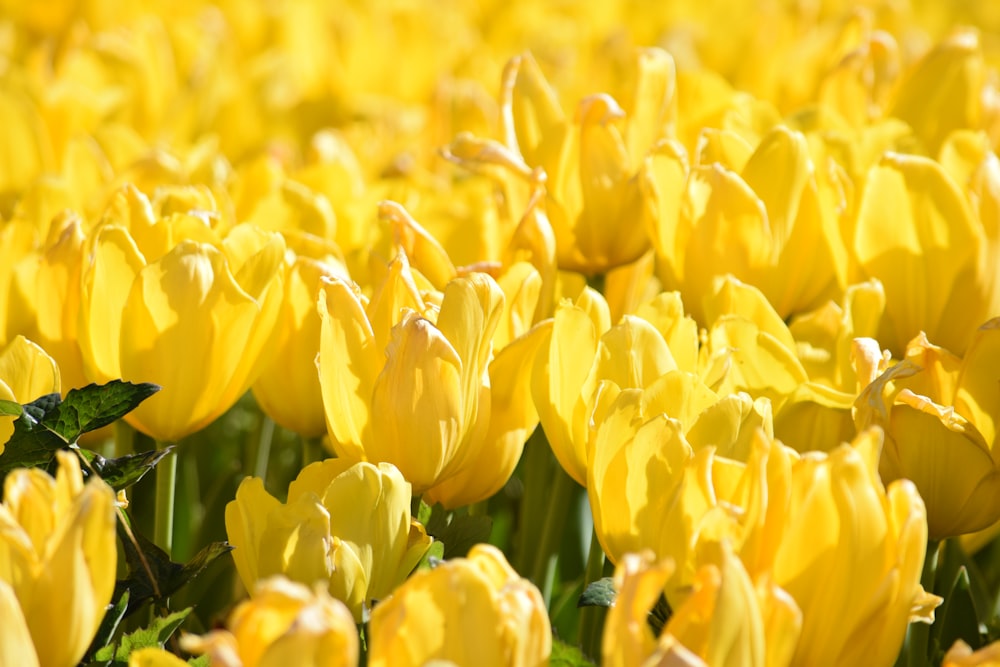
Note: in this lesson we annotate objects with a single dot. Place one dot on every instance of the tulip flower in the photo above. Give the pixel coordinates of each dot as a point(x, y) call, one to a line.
point(44, 300)
point(750, 220)
point(407, 382)
point(57, 547)
point(288, 387)
point(939, 413)
point(154, 657)
point(347, 526)
point(16, 647)
point(473, 610)
point(26, 373)
point(935, 254)
point(194, 320)
point(726, 620)
point(284, 622)
point(853, 550)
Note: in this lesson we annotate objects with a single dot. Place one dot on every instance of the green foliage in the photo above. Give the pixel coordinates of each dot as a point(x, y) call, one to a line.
point(564, 655)
point(50, 423)
point(459, 531)
point(600, 593)
point(155, 635)
point(151, 573)
point(124, 471)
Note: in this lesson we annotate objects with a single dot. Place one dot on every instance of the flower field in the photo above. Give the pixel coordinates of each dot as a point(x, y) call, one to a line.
point(521, 333)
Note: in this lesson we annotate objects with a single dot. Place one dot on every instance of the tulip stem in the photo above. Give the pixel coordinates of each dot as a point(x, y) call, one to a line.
point(544, 570)
point(264, 447)
point(592, 618)
point(163, 520)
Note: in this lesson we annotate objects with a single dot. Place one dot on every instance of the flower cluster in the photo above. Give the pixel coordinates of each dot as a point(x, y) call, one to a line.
point(705, 293)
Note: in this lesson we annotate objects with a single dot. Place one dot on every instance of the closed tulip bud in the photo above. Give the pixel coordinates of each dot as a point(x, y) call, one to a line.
point(26, 373)
point(359, 555)
point(283, 623)
point(939, 413)
point(195, 320)
point(57, 547)
point(401, 370)
point(473, 610)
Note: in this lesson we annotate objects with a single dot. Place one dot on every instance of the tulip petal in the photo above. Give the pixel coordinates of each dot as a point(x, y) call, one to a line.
point(348, 362)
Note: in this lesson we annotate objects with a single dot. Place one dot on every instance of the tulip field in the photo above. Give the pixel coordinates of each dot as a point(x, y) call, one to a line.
point(521, 332)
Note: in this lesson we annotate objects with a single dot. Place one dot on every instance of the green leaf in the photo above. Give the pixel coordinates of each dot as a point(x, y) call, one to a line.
point(424, 513)
point(31, 445)
point(153, 636)
point(10, 408)
point(564, 655)
point(434, 555)
point(200, 661)
point(958, 619)
point(124, 471)
point(459, 532)
point(600, 593)
point(89, 408)
point(106, 632)
point(151, 573)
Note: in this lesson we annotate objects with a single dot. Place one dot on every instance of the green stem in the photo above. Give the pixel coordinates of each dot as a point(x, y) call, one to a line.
point(163, 520)
point(124, 438)
point(264, 448)
point(536, 470)
point(547, 555)
point(918, 634)
point(592, 618)
point(312, 450)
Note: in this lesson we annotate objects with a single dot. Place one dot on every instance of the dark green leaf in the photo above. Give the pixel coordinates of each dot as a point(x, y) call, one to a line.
point(106, 632)
point(564, 655)
point(31, 445)
point(957, 619)
point(153, 636)
point(124, 471)
point(459, 532)
point(600, 593)
point(151, 573)
point(89, 408)
point(10, 408)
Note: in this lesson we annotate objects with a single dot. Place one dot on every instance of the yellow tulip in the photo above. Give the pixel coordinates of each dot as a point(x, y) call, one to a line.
point(751, 220)
point(44, 303)
point(727, 620)
point(591, 165)
point(288, 389)
point(649, 488)
point(939, 413)
point(934, 253)
point(944, 90)
point(347, 526)
point(26, 373)
point(283, 623)
point(473, 610)
point(58, 554)
point(429, 368)
point(849, 548)
point(195, 320)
